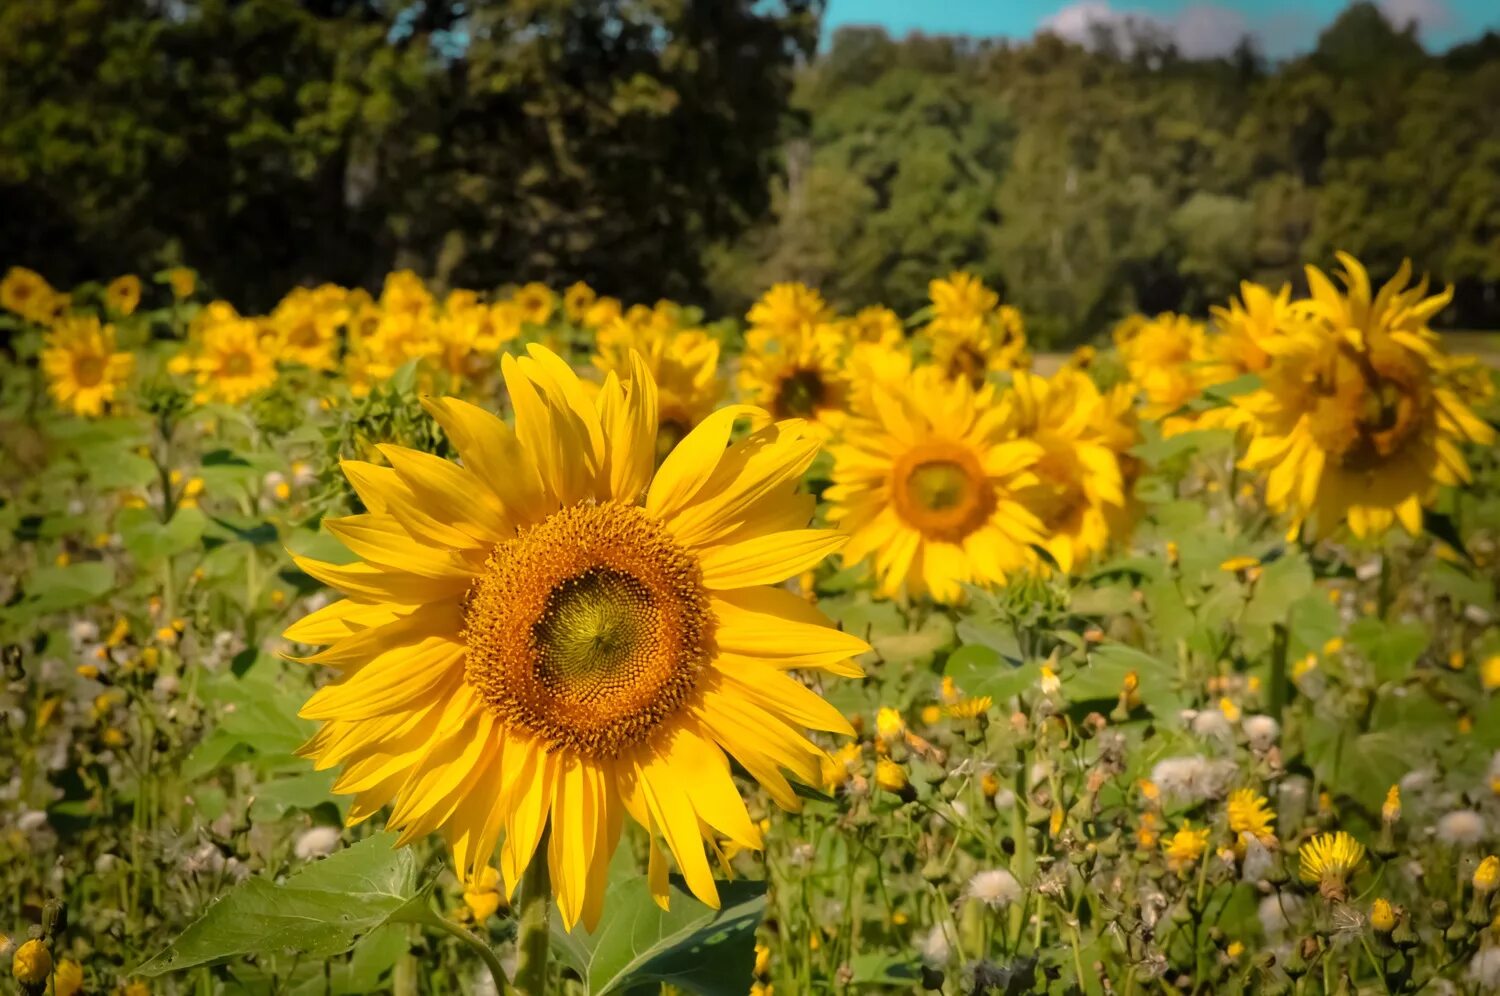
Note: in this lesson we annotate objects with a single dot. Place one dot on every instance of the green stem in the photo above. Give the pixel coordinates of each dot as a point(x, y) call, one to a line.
point(1278, 671)
point(483, 950)
point(532, 929)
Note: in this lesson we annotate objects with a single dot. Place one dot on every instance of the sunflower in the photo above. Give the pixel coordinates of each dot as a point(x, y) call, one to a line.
point(577, 300)
point(971, 333)
point(84, 372)
point(798, 374)
point(549, 637)
point(683, 363)
point(232, 363)
point(788, 309)
point(305, 325)
point(1078, 479)
point(1165, 357)
point(182, 280)
point(27, 293)
point(536, 303)
point(1355, 422)
point(405, 293)
point(1249, 331)
point(875, 324)
point(122, 295)
point(927, 487)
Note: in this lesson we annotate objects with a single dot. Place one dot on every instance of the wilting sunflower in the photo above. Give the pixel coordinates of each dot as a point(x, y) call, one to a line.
point(683, 363)
point(549, 637)
point(1355, 423)
point(971, 333)
point(27, 293)
point(232, 363)
point(927, 487)
point(84, 371)
point(799, 374)
point(1078, 480)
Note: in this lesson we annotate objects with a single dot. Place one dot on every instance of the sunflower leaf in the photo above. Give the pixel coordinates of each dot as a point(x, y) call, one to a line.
point(692, 947)
point(320, 910)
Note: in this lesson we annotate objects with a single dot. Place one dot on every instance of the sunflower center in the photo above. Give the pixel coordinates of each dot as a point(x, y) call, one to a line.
point(88, 370)
point(589, 629)
point(304, 335)
point(800, 393)
point(942, 492)
point(1371, 407)
point(237, 364)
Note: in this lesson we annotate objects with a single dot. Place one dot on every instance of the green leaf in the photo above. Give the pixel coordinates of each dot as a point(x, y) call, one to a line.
point(692, 947)
point(321, 910)
point(1103, 677)
point(981, 670)
point(1362, 766)
point(148, 538)
point(1391, 648)
point(52, 588)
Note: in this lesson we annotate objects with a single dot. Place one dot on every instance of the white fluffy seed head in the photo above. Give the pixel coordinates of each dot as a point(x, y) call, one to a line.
point(1461, 828)
point(995, 887)
point(317, 842)
point(1276, 912)
point(1484, 970)
point(934, 947)
point(1261, 731)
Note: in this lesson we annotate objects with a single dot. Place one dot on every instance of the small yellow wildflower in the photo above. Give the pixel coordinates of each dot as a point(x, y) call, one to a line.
point(971, 708)
point(889, 726)
point(482, 896)
point(762, 961)
point(931, 714)
point(1249, 812)
point(1230, 710)
point(1185, 847)
point(1383, 916)
point(1234, 950)
point(32, 965)
point(1236, 564)
point(1049, 682)
point(1487, 875)
point(1489, 672)
point(1390, 811)
point(1329, 859)
point(890, 776)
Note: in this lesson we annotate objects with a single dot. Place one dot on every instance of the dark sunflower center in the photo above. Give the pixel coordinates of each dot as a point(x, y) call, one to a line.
point(589, 629)
point(1371, 407)
point(938, 485)
point(237, 364)
point(305, 335)
point(800, 394)
point(89, 370)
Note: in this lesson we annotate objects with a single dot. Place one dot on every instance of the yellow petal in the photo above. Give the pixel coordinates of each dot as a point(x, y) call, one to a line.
point(767, 559)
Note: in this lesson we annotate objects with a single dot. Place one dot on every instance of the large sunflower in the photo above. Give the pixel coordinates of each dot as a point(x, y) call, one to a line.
point(1355, 422)
point(926, 486)
point(84, 370)
point(306, 325)
point(1079, 487)
point(548, 636)
point(232, 363)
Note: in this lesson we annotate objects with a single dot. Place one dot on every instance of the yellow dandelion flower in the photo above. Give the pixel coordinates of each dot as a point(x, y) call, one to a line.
point(27, 293)
point(1354, 423)
point(889, 726)
point(1147, 832)
point(122, 295)
point(890, 776)
point(1250, 812)
point(1382, 916)
point(1390, 810)
point(1487, 875)
point(1185, 847)
point(932, 715)
point(232, 363)
point(84, 370)
point(482, 894)
point(971, 708)
point(1329, 859)
point(550, 634)
point(1079, 480)
point(929, 490)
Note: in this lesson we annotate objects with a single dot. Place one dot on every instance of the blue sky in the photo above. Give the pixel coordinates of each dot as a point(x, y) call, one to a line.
point(1202, 26)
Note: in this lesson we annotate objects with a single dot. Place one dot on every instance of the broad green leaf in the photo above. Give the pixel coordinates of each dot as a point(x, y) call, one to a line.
point(691, 947)
point(1362, 766)
point(148, 538)
point(981, 670)
point(49, 589)
point(1103, 677)
point(1391, 648)
point(321, 910)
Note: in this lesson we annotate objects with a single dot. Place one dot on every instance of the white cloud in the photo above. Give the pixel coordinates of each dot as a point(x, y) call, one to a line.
point(1428, 15)
point(1199, 31)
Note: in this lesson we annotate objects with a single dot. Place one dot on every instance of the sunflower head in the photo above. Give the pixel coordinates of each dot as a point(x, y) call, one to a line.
point(557, 633)
point(84, 370)
point(1329, 860)
point(233, 362)
point(799, 374)
point(788, 309)
point(28, 294)
point(927, 487)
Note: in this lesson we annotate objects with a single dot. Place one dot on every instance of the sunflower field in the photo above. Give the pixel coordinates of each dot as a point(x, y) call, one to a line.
point(534, 642)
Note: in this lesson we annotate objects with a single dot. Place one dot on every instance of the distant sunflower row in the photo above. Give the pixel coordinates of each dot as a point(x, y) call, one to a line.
point(952, 462)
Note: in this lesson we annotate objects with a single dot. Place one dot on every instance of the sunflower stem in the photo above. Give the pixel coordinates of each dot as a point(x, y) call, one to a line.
point(1278, 671)
point(532, 926)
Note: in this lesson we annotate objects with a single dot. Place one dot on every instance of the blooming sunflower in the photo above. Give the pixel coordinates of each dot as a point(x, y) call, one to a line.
point(305, 325)
point(27, 293)
point(971, 333)
point(231, 363)
point(549, 636)
point(1165, 357)
point(84, 371)
point(799, 374)
point(1078, 479)
point(122, 295)
point(927, 487)
point(683, 363)
point(1355, 423)
point(875, 324)
point(788, 309)
point(536, 302)
point(577, 300)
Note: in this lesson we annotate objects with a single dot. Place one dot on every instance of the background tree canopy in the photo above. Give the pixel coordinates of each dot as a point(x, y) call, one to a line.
point(697, 149)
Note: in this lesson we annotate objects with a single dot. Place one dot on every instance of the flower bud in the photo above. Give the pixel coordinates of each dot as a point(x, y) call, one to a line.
point(32, 966)
point(1382, 916)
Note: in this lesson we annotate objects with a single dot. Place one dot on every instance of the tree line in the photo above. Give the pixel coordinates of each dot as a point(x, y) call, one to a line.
point(701, 149)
